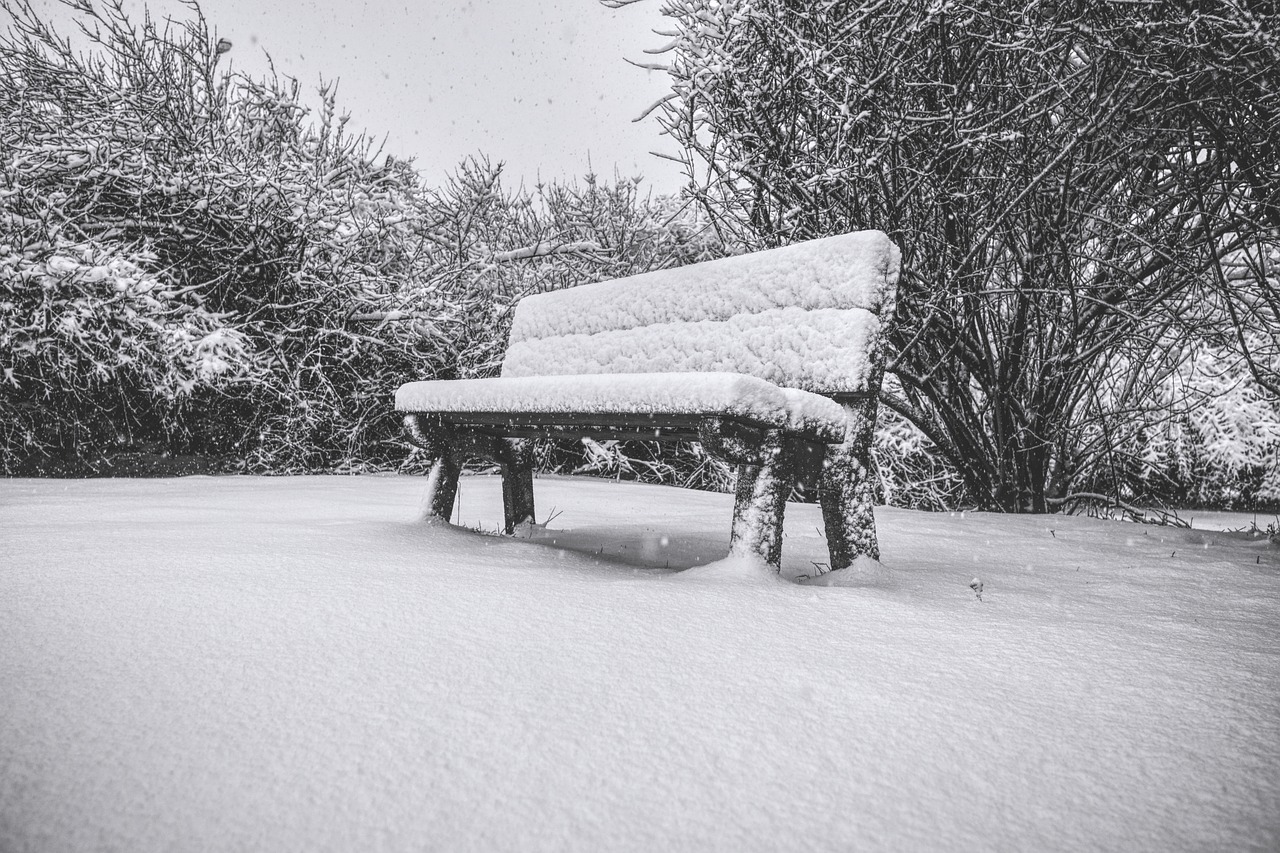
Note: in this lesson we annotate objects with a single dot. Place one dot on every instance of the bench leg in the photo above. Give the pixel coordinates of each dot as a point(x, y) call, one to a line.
point(450, 446)
point(516, 459)
point(442, 487)
point(760, 501)
point(743, 492)
point(847, 493)
point(440, 443)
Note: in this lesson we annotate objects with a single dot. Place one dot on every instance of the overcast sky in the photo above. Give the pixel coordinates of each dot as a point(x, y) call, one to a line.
point(539, 84)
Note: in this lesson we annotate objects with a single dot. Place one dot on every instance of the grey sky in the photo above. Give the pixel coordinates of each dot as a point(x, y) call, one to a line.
point(539, 84)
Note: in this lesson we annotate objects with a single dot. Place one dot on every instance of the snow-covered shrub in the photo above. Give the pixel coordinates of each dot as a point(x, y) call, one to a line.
point(910, 470)
point(275, 244)
point(1225, 450)
point(1195, 427)
point(96, 343)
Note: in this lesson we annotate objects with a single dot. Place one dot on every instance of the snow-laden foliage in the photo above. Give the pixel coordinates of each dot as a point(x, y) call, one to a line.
point(910, 472)
point(92, 338)
point(1248, 298)
point(153, 199)
point(192, 262)
point(1224, 451)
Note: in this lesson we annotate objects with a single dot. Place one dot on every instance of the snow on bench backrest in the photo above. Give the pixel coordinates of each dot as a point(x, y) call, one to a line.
point(803, 316)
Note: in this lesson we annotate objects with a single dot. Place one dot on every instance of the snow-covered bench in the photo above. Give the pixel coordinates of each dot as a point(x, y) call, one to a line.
point(772, 360)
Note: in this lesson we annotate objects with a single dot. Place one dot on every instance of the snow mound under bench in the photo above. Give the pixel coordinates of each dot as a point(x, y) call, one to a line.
point(731, 395)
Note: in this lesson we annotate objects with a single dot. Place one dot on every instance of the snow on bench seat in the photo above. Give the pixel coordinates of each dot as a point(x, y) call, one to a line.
point(731, 395)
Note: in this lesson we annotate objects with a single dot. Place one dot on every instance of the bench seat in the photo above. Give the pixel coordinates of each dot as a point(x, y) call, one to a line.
point(665, 402)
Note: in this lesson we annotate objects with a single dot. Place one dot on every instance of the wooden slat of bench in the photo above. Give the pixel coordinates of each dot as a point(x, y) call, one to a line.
point(637, 400)
point(621, 426)
point(575, 431)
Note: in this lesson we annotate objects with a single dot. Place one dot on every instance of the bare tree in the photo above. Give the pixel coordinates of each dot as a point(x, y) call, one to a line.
point(1052, 190)
point(1211, 71)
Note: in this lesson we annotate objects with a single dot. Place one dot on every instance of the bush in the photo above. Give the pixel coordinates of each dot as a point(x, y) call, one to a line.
point(95, 344)
point(192, 262)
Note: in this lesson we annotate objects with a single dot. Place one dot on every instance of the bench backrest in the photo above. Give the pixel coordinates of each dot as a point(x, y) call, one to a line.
point(806, 316)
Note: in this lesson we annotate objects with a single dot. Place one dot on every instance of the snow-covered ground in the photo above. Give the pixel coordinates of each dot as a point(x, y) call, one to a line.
point(298, 664)
point(1239, 522)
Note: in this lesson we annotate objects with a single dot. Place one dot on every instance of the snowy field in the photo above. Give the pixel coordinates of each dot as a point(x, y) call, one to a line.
point(297, 664)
